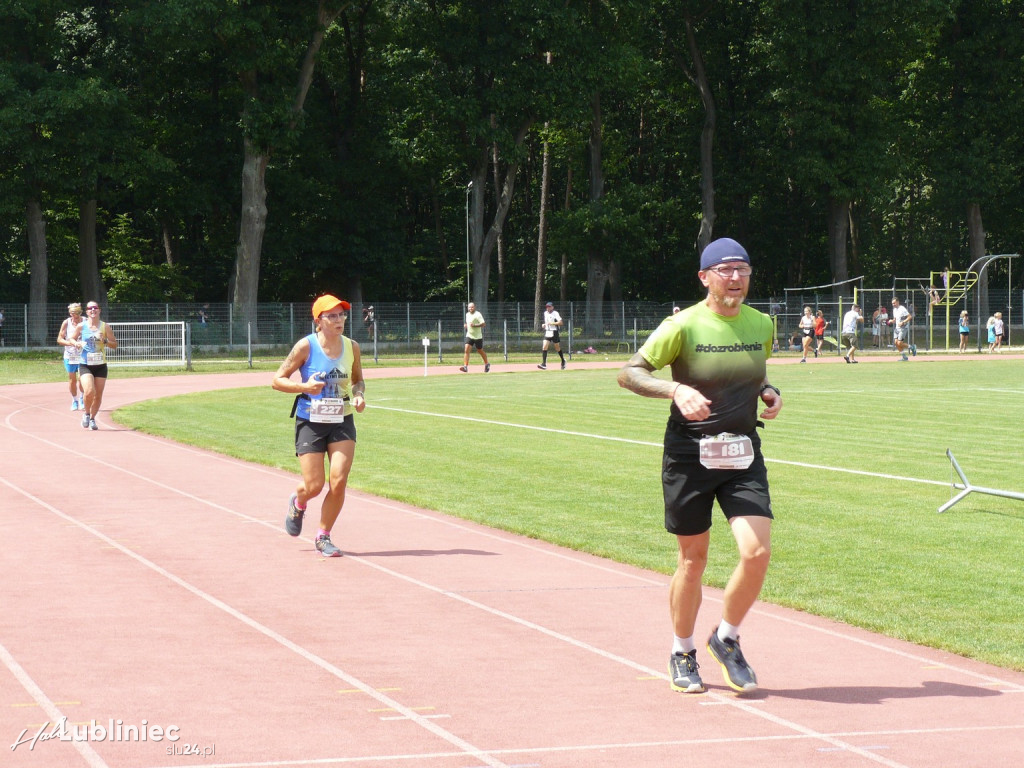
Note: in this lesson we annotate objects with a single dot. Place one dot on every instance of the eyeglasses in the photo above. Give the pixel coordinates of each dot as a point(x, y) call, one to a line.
point(92, 308)
point(334, 316)
point(724, 270)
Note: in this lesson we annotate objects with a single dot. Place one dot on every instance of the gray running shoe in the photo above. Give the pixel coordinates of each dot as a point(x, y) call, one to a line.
point(543, 367)
point(85, 421)
point(293, 521)
point(487, 367)
point(92, 424)
point(913, 349)
point(737, 672)
point(683, 674)
point(563, 365)
point(325, 547)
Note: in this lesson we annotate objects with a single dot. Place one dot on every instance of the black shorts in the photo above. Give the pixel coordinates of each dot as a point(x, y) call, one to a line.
point(313, 437)
point(96, 371)
point(690, 488)
point(554, 339)
point(478, 343)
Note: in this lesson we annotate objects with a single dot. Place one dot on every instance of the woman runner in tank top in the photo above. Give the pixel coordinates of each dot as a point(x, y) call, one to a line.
point(93, 338)
point(329, 392)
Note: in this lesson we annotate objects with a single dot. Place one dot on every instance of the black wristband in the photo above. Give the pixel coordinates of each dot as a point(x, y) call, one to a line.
point(771, 387)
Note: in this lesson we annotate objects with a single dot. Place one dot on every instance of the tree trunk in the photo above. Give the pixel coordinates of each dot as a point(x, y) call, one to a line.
point(38, 274)
point(168, 245)
point(975, 231)
point(597, 270)
point(563, 271)
point(707, 140)
point(482, 253)
point(254, 183)
point(496, 170)
point(838, 222)
point(542, 231)
point(250, 235)
point(442, 243)
point(88, 261)
point(976, 246)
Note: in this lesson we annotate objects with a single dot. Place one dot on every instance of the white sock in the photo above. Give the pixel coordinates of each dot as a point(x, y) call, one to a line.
point(727, 631)
point(683, 645)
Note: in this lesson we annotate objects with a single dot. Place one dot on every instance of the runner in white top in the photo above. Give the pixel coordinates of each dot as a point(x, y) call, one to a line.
point(474, 326)
point(552, 322)
point(72, 356)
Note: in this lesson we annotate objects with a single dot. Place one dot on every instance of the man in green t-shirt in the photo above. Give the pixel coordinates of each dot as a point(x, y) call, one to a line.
point(716, 351)
point(474, 337)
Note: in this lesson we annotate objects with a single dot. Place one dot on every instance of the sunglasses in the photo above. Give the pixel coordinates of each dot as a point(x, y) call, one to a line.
point(91, 308)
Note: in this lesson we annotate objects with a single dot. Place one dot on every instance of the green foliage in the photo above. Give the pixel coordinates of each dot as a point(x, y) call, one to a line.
point(909, 110)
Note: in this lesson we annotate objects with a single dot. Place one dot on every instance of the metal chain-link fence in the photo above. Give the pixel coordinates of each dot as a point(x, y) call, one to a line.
point(398, 328)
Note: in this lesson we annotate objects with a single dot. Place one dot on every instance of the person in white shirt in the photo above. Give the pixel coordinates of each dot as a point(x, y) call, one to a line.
point(850, 321)
point(474, 337)
point(552, 322)
point(72, 355)
point(901, 329)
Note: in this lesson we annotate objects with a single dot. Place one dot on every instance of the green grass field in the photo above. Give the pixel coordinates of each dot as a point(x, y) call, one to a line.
point(856, 462)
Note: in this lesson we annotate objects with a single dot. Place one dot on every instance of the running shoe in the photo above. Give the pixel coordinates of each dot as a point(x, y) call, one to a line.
point(464, 369)
point(74, 404)
point(563, 365)
point(913, 349)
point(92, 424)
point(904, 358)
point(846, 358)
point(735, 669)
point(487, 367)
point(85, 421)
point(293, 521)
point(325, 547)
point(543, 367)
point(683, 674)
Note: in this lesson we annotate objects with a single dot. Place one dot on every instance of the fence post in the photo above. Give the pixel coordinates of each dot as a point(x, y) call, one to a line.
point(440, 350)
point(248, 342)
point(504, 337)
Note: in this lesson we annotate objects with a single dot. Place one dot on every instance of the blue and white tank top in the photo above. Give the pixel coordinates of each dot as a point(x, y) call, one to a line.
point(95, 350)
point(332, 404)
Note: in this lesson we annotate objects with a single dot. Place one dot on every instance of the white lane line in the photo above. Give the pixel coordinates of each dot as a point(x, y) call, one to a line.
point(84, 749)
point(269, 633)
point(592, 436)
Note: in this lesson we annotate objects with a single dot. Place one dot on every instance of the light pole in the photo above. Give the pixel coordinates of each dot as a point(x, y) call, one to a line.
point(469, 188)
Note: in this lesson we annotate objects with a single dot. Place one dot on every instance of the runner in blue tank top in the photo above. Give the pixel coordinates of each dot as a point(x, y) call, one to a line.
point(329, 392)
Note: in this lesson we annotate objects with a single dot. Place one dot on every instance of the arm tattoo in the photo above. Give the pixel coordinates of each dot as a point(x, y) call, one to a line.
point(638, 376)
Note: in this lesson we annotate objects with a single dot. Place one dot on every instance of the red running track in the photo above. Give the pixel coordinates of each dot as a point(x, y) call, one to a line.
point(150, 588)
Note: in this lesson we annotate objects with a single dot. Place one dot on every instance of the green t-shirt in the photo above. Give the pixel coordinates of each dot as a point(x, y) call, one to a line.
point(721, 357)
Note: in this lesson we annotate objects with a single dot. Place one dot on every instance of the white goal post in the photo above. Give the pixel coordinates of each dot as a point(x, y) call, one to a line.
point(143, 344)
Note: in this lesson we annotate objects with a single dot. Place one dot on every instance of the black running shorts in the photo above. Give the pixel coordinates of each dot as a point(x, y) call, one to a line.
point(690, 488)
point(96, 371)
point(312, 437)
